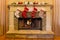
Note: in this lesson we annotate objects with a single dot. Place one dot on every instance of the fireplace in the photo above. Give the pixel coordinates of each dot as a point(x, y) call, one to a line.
point(30, 27)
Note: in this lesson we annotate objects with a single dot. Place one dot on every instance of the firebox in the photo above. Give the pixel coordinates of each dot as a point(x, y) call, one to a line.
point(30, 23)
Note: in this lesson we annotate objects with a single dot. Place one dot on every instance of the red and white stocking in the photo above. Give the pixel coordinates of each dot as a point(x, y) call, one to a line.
point(34, 12)
point(24, 13)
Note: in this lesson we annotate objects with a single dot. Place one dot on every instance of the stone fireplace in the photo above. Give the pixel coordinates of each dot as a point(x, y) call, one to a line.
point(35, 27)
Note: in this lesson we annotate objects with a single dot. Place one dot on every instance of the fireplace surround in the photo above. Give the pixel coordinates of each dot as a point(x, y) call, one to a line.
point(18, 26)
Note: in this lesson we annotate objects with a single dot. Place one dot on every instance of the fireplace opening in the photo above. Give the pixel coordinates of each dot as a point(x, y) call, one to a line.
point(29, 23)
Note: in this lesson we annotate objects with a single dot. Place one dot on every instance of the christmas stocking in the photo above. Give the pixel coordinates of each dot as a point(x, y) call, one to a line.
point(41, 14)
point(24, 13)
point(33, 12)
point(17, 13)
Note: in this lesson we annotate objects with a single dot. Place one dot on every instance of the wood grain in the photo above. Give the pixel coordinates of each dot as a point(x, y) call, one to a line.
point(4, 38)
point(2, 16)
point(56, 19)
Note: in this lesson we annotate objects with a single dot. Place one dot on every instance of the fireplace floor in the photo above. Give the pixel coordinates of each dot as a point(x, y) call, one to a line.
point(30, 34)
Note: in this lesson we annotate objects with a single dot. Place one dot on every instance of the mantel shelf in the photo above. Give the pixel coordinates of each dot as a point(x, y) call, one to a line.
point(22, 5)
point(29, 17)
